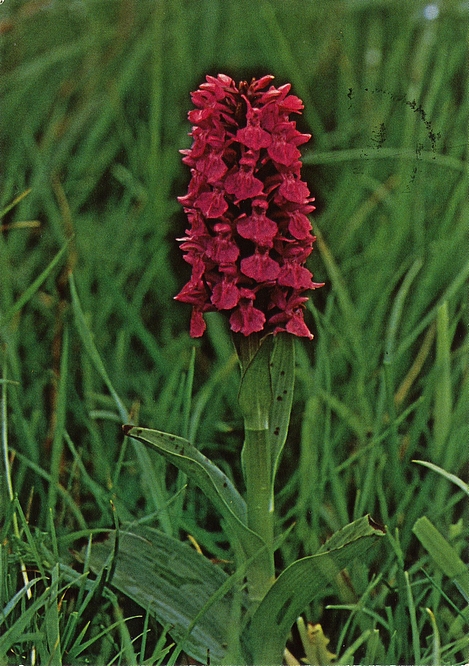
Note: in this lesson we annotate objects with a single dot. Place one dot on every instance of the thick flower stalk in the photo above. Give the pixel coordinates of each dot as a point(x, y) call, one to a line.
point(249, 234)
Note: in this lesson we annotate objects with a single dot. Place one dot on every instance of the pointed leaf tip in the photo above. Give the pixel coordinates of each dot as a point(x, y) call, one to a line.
point(376, 526)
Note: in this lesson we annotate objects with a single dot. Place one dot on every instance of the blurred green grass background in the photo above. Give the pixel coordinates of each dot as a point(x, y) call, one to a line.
point(94, 98)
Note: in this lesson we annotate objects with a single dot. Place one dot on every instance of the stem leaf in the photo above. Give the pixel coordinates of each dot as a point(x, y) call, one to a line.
point(210, 479)
point(298, 585)
point(215, 485)
point(174, 583)
point(255, 391)
point(282, 371)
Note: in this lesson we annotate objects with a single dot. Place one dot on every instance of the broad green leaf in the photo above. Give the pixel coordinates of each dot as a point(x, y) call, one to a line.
point(266, 391)
point(297, 586)
point(282, 371)
point(216, 486)
point(210, 479)
point(174, 583)
point(363, 527)
point(443, 554)
point(255, 391)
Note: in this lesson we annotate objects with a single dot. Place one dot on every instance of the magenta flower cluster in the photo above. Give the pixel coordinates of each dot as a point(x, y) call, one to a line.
point(247, 206)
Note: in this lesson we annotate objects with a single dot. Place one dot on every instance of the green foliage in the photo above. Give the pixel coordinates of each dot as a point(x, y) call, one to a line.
point(94, 101)
point(174, 583)
point(301, 582)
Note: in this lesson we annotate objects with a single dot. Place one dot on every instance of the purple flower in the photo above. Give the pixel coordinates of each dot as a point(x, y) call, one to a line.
point(247, 207)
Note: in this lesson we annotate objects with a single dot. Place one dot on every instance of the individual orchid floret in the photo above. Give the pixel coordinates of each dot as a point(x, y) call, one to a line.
point(249, 235)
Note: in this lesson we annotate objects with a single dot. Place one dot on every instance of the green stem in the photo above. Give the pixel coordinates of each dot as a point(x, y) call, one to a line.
point(260, 507)
point(255, 400)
